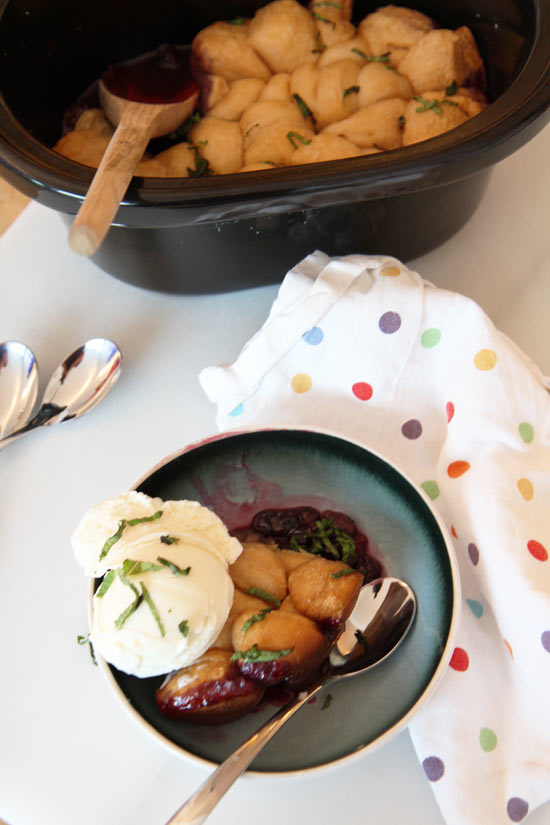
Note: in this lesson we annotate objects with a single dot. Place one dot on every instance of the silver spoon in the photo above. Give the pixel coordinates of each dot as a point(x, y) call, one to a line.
point(18, 386)
point(80, 382)
point(380, 621)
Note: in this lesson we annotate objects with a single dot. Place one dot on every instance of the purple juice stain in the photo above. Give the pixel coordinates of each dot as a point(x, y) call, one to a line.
point(412, 429)
point(517, 808)
point(433, 768)
point(389, 322)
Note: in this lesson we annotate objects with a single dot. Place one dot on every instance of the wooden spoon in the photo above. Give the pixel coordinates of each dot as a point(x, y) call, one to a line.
point(144, 98)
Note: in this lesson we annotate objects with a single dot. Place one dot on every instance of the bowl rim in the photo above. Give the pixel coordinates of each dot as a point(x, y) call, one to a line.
point(398, 726)
point(453, 155)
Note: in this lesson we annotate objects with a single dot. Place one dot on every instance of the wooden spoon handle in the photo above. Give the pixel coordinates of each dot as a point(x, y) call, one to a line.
point(111, 180)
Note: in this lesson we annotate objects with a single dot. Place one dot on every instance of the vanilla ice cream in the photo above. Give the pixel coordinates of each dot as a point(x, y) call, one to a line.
point(166, 591)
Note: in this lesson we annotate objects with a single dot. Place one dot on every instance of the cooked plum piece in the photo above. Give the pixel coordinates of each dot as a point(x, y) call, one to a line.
point(210, 691)
point(258, 570)
point(325, 591)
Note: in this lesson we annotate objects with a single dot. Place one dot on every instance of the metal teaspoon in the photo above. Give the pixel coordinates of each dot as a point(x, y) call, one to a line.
point(80, 382)
point(381, 619)
point(18, 386)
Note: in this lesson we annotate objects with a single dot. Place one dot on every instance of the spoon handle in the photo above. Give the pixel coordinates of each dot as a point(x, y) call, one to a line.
point(203, 801)
point(112, 177)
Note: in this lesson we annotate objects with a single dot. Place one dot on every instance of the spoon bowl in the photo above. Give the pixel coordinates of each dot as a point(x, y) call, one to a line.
point(77, 385)
point(18, 386)
point(381, 619)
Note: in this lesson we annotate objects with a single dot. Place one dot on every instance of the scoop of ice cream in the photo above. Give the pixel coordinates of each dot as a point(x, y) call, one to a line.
point(112, 530)
point(166, 591)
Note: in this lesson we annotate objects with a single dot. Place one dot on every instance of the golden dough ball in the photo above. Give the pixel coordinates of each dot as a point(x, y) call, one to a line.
point(268, 113)
point(95, 121)
point(85, 146)
point(177, 160)
point(241, 94)
point(284, 35)
point(394, 29)
point(377, 81)
point(303, 82)
point(440, 58)
point(422, 123)
point(220, 142)
point(150, 168)
point(276, 144)
point(325, 147)
point(277, 88)
point(377, 125)
point(333, 21)
point(354, 49)
point(337, 92)
point(224, 49)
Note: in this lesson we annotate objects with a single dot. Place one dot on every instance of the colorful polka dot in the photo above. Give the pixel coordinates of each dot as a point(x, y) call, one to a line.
point(412, 429)
point(537, 550)
point(430, 338)
point(476, 607)
point(450, 410)
point(433, 768)
point(473, 552)
point(517, 808)
point(510, 649)
point(301, 382)
point(389, 322)
point(457, 469)
point(526, 489)
point(526, 431)
point(362, 390)
point(459, 660)
point(487, 739)
point(390, 271)
point(236, 411)
point(485, 359)
point(545, 640)
point(431, 489)
point(313, 336)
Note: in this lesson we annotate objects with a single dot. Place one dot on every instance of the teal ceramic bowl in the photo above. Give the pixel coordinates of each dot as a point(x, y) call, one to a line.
point(238, 474)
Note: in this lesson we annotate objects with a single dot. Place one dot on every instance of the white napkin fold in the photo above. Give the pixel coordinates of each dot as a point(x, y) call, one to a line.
point(364, 347)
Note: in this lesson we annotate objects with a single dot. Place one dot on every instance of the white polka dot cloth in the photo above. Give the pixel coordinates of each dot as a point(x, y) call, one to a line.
point(363, 347)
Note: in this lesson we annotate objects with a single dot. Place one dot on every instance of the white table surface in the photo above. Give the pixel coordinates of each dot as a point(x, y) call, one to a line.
point(69, 755)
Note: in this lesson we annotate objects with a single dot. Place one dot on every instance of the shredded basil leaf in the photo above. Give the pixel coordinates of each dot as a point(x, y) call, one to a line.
point(350, 90)
point(257, 617)
point(381, 58)
point(434, 105)
point(246, 134)
point(202, 166)
point(323, 19)
point(304, 108)
point(263, 594)
point(340, 573)
point(237, 21)
point(133, 568)
point(84, 640)
point(255, 654)
point(169, 539)
point(182, 132)
point(177, 571)
point(293, 136)
point(152, 607)
point(401, 122)
point(268, 162)
point(327, 702)
point(133, 606)
point(452, 89)
point(327, 540)
point(183, 627)
point(105, 584)
point(123, 523)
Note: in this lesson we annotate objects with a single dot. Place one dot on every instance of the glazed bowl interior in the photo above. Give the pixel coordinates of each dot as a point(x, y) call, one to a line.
point(238, 474)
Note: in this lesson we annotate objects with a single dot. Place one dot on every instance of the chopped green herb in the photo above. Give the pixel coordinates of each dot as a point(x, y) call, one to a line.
point(169, 539)
point(132, 568)
point(177, 571)
point(152, 607)
point(84, 640)
point(350, 91)
point(434, 105)
point(182, 132)
point(401, 122)
point(327, 702)
point(105, 584)
point(381, 58)
point(268, 162)
point(257, 617)
point(323, 19)
point(452, 89)
point(183, 627)
point(202, 166)
point(255, 654)
point(263, 594)
point(237, 21)
point(326, 540)
point(340, 573)
point(131, 607)
point(123, 523)
point(304, 108)
point(246, 134)
point(294, 136)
